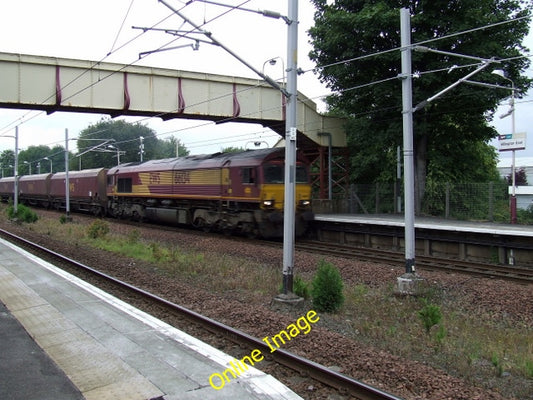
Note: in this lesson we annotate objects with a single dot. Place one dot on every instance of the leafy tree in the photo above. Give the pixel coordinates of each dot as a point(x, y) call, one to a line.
point(232, 149)
point(30, 158)
point(56, 159)
point(98, 144)
point(7, 161)
point(520, 177)
point(167, 148)
point(41, 158)
point(451, 134)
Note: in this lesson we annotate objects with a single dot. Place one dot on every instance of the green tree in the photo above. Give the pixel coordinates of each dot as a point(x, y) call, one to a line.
point(166, 148)
point(39, 158)
point(520, 177)
point(7, 161)
point(55, 160)
point(232, 149)
point(98, 143)
point(28, 159)
point(451, 134)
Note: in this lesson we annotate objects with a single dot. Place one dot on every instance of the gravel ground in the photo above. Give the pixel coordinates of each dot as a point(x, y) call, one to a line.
point(327, 345)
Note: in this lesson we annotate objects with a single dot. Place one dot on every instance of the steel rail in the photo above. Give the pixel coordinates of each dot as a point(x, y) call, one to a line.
point(319, 372)
point(513, 273)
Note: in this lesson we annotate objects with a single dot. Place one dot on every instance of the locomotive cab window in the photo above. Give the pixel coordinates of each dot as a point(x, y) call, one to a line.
point(248, 175)
point(275, 173)
point(124, 185)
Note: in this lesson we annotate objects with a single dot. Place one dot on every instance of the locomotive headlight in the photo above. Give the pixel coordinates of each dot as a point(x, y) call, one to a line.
point(305, 203)
point(268, 203)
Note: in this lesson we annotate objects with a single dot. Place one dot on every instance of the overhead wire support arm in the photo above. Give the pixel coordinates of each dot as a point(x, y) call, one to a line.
point(176, 32)
point(93, 148)
point(214, 41)
point(424, 49)
point(195, 46)
point(484, 65)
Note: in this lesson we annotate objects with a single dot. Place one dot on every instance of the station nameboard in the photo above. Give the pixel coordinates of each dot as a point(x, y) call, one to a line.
point(515, 141)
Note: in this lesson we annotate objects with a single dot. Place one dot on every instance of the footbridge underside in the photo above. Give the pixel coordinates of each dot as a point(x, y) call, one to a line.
point(58, 84)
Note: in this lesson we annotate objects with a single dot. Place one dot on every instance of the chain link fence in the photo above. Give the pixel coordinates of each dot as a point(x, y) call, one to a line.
point(466, 201)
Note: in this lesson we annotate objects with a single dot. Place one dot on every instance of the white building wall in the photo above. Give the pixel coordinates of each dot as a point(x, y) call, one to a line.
point(504, 167)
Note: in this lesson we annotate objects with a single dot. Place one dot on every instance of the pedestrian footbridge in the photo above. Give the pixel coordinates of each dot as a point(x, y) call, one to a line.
point(59, 84)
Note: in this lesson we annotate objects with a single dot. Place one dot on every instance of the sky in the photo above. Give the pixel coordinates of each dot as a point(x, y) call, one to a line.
point(102, 30)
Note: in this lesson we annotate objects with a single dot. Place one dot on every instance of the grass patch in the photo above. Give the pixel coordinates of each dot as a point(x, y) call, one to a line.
point(223, 272)
point(459, 342)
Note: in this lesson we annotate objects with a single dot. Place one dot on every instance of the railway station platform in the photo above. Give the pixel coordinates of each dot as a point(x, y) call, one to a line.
point(465, 240)
point(430, 223)
point(63, 339)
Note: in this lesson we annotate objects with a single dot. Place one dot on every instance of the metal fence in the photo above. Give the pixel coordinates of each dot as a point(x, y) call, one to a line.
point(468, 201)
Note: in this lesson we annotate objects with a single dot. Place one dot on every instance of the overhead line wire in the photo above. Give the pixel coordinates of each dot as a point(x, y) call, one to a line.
point(417, 44)
point(129, 64)
point(87, 70)
point(354, 59)
point(121, 26)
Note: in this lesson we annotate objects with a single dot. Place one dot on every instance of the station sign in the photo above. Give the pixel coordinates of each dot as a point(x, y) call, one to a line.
point(515, 141)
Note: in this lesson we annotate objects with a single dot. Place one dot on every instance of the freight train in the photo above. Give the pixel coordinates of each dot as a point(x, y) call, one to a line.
point(230, 192)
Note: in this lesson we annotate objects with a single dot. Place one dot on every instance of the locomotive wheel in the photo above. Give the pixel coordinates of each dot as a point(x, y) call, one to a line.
point(253, 234)
point(135, 217)
point(200, 223)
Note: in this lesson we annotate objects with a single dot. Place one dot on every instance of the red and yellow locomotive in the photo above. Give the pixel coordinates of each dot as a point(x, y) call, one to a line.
point(231, 192)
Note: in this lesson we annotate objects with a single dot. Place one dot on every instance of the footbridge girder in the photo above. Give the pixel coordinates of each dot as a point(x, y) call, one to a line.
point(59, 84)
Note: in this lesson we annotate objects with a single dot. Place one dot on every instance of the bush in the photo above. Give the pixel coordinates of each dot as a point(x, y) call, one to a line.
point(430, 315)
point(98, 229)
point(24, 214)
point(525, 217)
point(327, 288)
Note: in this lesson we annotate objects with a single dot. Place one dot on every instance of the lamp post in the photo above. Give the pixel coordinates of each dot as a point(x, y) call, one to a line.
point(110, 146)
point(15, 172)
point(29, 167)
point(501, 73)
point(67, 183)
point(48, 159)
point(141, 147)
point(256, 143)
point(273, 61)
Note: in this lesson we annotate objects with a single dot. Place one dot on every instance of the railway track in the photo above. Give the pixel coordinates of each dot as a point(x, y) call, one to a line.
point(508, 272)
point(343, 383)
point(430, 263)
